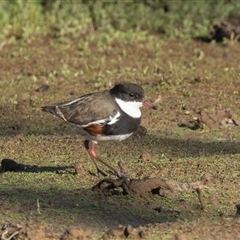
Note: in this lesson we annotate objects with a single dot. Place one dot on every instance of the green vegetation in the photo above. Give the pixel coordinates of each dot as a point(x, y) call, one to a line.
point(184, 19)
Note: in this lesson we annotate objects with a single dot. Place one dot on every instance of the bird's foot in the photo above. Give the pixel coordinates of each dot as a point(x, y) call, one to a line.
point(122, 175)
point(101, 173)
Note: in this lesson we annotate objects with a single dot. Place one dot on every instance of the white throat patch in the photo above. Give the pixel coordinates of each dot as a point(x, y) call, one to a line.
point(130, 108)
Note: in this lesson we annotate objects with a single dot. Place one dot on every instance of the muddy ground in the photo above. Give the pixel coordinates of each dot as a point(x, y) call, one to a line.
point(194, 133)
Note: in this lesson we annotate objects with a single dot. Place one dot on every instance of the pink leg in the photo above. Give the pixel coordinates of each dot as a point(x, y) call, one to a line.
point(89, 145)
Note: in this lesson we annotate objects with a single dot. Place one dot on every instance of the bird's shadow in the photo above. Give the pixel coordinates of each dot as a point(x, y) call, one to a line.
point(9, 165)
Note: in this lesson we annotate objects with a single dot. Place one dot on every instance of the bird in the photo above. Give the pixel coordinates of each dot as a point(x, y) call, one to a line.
point(112, 114)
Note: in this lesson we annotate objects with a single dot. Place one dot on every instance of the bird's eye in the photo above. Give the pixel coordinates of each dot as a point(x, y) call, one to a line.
point(131, 95)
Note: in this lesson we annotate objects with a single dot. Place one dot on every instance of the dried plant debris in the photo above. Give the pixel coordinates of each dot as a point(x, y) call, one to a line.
point(122, 232)
point(11, 231)
point(148, 186)
point(34, 231)
point(222, 118)
point(224, 29)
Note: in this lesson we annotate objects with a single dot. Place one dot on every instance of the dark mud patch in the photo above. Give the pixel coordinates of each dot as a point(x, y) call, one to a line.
point(148, 186)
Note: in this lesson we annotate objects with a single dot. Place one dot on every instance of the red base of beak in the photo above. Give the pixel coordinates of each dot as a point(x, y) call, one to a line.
point(148, 104)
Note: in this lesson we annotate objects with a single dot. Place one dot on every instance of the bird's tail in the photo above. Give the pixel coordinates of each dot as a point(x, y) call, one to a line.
point(55, 110)
point(50, 109)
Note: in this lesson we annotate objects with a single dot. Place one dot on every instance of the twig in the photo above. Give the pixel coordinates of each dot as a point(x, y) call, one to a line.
point(38, 207)
point(199, 193)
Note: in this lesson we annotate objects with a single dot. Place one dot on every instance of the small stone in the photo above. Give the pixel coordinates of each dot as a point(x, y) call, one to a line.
point(78, 168)
point(42, 88)
point(179, 236)
point(238, 209)
point(123, 167)
point(146, 157)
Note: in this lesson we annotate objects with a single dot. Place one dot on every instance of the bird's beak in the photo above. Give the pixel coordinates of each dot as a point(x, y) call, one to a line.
point(148, 104)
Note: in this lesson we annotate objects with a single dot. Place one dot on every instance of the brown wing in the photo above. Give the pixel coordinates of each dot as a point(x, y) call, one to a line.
point(89, 108)
point(94, 129)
